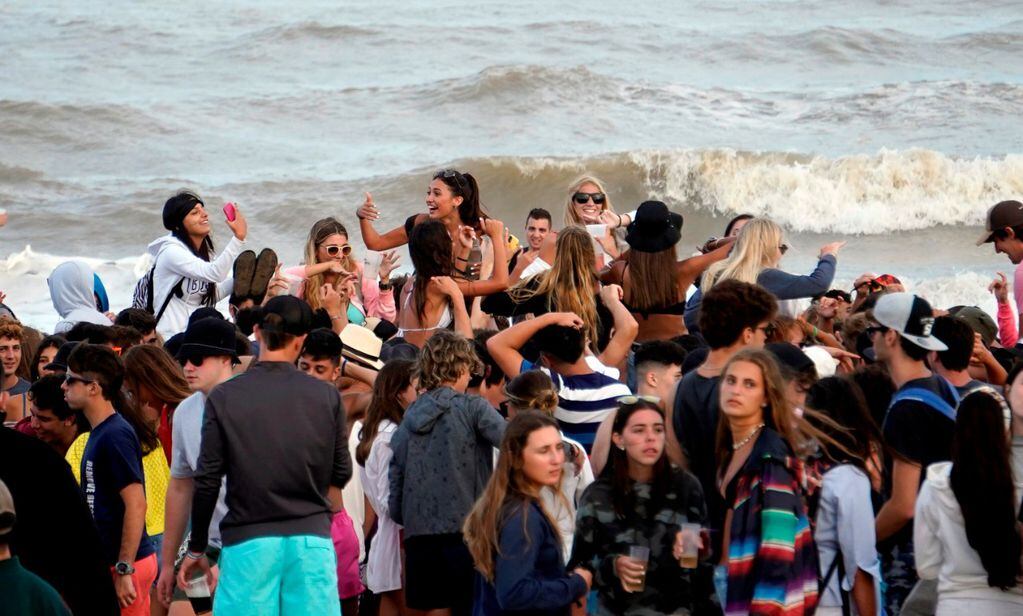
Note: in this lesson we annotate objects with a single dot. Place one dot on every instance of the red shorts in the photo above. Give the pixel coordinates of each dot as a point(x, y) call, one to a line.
point(143, 578)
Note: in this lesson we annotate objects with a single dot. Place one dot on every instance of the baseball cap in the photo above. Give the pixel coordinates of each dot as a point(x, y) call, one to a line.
point(911, 316)
point(209, 337)
point(286, 314)
point(7, 515)
point(59, 363)
point(790, 355)
point(1001, 215)
point(978, 320)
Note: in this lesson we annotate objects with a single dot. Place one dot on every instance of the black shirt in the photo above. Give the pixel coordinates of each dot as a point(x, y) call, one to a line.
point(55, 537)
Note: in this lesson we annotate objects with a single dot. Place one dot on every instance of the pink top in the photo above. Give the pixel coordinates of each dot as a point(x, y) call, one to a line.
point(375, 303)
point(1007, 333)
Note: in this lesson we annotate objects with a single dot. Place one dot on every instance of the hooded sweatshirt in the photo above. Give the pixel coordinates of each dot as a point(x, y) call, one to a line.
point(71, 292)
point(443, 458)
point(174, 262)
point(942, 550)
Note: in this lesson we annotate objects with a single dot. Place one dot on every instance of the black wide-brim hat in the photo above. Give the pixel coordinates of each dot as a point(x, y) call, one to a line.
point(656, 228)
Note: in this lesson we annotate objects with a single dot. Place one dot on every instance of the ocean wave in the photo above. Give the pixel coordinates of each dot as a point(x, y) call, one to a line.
point(73, 122)
point(303, 30)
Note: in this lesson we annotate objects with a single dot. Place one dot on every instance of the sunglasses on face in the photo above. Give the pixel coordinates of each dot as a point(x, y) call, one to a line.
point(768, 330)
point(333, 249)
point(582, 198)
point(195, 361)
point(71, 379)
point(874, 329)
point(783, 248)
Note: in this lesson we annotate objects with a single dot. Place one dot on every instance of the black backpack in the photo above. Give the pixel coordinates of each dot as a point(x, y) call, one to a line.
point(142, 298)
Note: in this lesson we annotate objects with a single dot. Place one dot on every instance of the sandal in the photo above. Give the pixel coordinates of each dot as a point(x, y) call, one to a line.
point(266, 266)
point(244, 266)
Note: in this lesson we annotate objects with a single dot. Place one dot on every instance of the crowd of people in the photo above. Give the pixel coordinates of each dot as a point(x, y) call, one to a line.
point(578, 422)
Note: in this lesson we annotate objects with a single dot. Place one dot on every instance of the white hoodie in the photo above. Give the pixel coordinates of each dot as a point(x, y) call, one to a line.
point(175, 261)
point(71, 291)
point(942, 550)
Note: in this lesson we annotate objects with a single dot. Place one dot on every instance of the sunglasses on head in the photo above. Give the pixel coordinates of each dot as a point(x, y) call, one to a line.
point(631, 400)
point(450, 174)
point(334, 249)
point(582, 198)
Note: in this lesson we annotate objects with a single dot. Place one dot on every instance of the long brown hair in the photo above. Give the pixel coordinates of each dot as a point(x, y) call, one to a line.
point(570, 285)
point(507, 490)
point(153, 367)
point(322, 229)
point(652, 280)
point(532, 389)
point(392, 379)
point(623, 494)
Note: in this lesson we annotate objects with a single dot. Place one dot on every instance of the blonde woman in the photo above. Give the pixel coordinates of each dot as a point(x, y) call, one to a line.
point(755, 260)
point(589, 204)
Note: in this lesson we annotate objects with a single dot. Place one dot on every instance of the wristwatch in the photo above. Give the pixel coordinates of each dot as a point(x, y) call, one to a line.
point(123, 568)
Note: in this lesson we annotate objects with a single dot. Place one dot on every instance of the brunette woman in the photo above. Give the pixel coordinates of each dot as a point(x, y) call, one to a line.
point(393, 392)
point(514, 542)
point(966, 532)
point(640, 500)
point(45, 353)
point(158, 384)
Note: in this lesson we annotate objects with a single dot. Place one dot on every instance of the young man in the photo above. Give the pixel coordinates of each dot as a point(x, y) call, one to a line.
point(10, 356)
point(208, 355)
point(277, 556)
point(111, 471)
point(24, 591)
point(733, 315)
point(538, 226)
point(141, 321)
point(490, 384)
point(1004, 228)
point(585, 397)
point(918, 428)
point(53, 421)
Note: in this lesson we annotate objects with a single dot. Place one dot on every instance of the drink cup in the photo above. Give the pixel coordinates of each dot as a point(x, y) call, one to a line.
point(294, 283)
point(639, 554)
point(371, 264)
point(198, 593)
point(596, 230)
point(690, 546)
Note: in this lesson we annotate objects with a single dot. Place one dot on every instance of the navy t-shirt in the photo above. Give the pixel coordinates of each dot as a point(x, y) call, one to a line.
point(111, 462)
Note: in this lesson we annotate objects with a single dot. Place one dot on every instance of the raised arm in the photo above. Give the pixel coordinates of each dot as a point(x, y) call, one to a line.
point(504, 346)
point(498, 280)
point(625, 327)
point(366, 214)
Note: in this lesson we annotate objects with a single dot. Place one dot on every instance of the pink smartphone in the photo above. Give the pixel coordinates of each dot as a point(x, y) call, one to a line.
point(230, 212)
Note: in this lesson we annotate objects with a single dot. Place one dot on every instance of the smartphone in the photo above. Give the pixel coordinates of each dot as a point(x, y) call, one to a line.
point(230, 211)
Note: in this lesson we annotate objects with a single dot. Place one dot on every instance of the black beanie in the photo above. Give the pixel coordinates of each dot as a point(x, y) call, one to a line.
point(177, 207)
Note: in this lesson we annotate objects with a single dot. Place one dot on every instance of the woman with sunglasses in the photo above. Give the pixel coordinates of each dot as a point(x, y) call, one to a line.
point(640, 500)
point(588, 204)
point(453, 198)
point(330, 260)
point(755, 259)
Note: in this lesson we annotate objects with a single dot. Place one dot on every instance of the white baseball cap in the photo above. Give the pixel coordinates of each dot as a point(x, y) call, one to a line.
point(911, 316)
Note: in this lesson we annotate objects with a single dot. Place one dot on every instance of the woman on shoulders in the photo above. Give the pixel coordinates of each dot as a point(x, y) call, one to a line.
point(641, 500)
point(513, 540)
point(589, 204)
point(966, 530)
point(186, 275)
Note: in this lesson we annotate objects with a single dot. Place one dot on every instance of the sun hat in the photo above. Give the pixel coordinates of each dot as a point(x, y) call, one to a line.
point(362, 346)
point(209, 337)
point(911, 316)
point(655, 228)
point(1001, 215)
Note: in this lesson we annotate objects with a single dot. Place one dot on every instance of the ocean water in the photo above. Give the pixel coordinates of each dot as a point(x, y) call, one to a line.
point(892, 125)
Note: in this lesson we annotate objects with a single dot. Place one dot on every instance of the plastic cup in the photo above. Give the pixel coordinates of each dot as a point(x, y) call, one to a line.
point(371, 264)
point(640, 554)
point(690, 546)
point(596, 230)
point(198, 593)
point(294, 283)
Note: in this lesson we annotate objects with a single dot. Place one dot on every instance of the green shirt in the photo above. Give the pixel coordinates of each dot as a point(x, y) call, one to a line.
point(27, 593)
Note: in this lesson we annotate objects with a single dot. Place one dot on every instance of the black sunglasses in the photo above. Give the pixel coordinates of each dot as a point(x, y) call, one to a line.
point(874, 329)
point(71, 379)
point(783, 248)
point(581, 198)
point(191, 359)
point(450, 174)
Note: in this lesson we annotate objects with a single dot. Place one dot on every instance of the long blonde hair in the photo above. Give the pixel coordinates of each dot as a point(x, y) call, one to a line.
point(507, 492)
point(321, 230)
point(756, 248)
point(570, 285)
point(570, 217)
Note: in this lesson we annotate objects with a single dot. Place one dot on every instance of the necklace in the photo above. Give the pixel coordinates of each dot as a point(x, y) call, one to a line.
point(737, 446)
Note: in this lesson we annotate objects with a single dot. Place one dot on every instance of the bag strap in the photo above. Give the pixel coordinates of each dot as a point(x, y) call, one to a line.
point(928, 397)
point(174, 291)
point(838, 564)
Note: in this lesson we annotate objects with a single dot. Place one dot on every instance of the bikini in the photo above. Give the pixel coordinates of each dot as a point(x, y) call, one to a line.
point(442, 322)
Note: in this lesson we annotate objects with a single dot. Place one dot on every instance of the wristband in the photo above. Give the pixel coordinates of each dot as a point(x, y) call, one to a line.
point(194, 555)
point(344, 362)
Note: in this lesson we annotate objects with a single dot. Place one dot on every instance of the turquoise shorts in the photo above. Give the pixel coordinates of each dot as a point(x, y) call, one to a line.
point(278, 576)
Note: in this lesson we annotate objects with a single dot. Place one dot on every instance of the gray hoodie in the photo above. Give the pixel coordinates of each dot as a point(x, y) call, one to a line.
point(71, 291)
point(443, 457)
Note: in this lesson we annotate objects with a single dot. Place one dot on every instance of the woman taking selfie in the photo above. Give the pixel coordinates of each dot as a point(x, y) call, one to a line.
point(640, 501)
point(513, 540)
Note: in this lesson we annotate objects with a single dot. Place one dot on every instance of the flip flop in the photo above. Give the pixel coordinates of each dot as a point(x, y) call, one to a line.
point(244, 267)
point(266, 265)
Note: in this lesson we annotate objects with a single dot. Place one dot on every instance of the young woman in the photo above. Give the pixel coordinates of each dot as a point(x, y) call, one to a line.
point(393, 392)
point(569, 286)
point(453, 199)
point(329, 259)
point(755, 259)
point(844, 530)
point(158, 385)
point(588, 204)
point(966, 531)
point(1014, 396)
point(443, 454)
point(44, 354)
point(641, 500)
point(767, 546)
point(186, 275)
point(657, 301)
point(431, 301)
point(533, 390)
point(513, 540)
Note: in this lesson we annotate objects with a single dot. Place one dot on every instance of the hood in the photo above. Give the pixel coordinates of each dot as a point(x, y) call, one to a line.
point(71, 288)
point(429, 407)
point(939, 478)
point(160, 243)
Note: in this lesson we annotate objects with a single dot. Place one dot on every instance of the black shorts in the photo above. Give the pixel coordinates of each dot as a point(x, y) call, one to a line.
point(438, 573)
